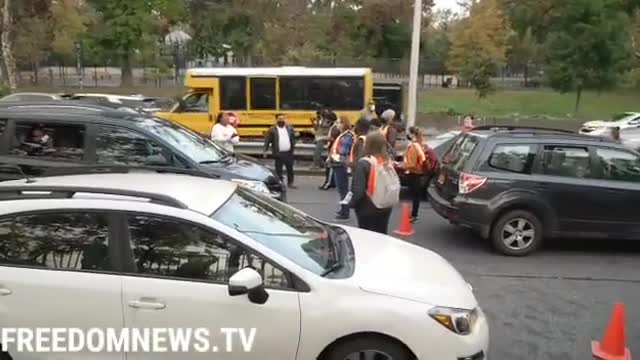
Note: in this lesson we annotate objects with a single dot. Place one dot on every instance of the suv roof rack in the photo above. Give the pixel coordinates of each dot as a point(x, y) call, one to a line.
point(22, 192)
point(518, 127)
point(123, 169)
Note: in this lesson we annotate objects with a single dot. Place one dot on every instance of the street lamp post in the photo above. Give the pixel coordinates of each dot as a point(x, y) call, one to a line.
point(79, 70)
point(415, 61)
point(178, 40)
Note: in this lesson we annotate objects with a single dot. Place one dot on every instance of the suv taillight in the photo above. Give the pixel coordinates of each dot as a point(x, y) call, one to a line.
point(469, 182)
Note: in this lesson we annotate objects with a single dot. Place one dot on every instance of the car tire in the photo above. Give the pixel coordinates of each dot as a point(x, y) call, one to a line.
point(517, 233)
point(351, 349)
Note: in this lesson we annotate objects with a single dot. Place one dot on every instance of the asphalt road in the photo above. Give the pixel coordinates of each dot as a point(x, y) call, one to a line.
point(546, 306)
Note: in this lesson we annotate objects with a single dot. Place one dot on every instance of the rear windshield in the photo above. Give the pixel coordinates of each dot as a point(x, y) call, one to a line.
point(460, 152)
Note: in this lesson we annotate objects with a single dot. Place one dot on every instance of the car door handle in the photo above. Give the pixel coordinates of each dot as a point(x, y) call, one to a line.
point(5, 292)
point(149, 305)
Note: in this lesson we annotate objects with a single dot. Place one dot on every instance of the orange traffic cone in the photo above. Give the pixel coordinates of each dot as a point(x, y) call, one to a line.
point(405, 228)
point(612, 346)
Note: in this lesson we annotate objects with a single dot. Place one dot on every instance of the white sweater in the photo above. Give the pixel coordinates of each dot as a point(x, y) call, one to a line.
point(223, 135)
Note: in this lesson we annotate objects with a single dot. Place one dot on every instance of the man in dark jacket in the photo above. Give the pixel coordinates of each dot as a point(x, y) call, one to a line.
point(282, 140)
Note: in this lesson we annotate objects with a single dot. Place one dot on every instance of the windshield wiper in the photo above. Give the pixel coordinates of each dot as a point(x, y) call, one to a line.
point(332, 268)
point(210, 162)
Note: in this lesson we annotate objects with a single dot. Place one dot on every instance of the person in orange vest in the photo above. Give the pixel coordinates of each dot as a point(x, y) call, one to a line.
point(415, 164)
point(369, 216)
point(340, 158)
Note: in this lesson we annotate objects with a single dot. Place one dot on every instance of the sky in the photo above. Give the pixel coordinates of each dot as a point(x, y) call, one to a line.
point(446, 4)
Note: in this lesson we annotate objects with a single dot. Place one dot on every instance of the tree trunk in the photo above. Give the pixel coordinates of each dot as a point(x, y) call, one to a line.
point(526, 75)
point(35, 66)
point(126, 79)
point(7, 53)
point(578, 96)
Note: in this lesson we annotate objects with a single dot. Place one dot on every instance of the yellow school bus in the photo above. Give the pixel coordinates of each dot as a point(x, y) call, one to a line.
point(256, 95)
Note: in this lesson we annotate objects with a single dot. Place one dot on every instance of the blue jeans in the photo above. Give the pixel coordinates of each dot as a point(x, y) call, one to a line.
point(341, 177)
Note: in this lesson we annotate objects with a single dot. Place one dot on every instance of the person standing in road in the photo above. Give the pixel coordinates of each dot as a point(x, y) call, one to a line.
point(375, 186)
point(362, 128)
point(282, 140)
point(467, 123)
point(223, 133)
point(340, 161)
point(329, 179)
point(389, 128)
point(414, 164)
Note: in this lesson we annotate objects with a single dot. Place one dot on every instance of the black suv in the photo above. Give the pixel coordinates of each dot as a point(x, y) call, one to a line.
point(42, 138)
point(517, 186)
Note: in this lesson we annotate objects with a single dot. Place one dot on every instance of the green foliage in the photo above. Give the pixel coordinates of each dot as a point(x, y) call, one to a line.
point(587, 45)
point(479, 44)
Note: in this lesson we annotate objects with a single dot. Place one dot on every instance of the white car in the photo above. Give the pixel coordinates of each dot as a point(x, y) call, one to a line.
point(603, 128)
point(134, 101)
point(142, 250)
point(31, 96)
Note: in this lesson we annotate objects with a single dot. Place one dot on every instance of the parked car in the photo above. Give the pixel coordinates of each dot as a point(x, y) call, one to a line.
point(518, 186)
point(152, 250)
point(82, 135)
point(630, 137)
point(603, 128)
point(31, 96)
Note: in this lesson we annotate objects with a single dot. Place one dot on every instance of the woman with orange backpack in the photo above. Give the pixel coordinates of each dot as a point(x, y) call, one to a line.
point(415, 165)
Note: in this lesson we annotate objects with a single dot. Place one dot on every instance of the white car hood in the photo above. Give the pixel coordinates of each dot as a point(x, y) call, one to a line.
point(597, 124)
point(393, 267)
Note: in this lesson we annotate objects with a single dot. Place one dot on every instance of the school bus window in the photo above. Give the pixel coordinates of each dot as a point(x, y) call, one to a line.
point(196, 103)
point(263, 94)
point(233, 93)
point(306, 93)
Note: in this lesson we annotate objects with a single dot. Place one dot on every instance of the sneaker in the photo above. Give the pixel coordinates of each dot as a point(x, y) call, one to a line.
point(414, 219)
point(342, 217)
point(291, 186)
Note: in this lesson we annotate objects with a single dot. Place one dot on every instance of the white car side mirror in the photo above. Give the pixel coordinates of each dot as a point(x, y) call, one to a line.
point(248, 281)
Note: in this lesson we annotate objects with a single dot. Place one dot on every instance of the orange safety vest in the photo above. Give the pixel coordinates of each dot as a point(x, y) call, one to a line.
point(422, 157)
point(335, 148)
point(353, 148)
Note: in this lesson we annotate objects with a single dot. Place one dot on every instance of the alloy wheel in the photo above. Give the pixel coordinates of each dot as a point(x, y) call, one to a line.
point(518, 234)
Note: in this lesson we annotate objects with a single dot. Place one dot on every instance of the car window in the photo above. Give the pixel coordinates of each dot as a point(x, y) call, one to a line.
point(619, 165)
point(72, 241)
point(513, 157)
point(172, 248)
point(196, 102)
point(125, 147)
point(193, 145)
point(49, 140)
point(566, 161)
point(311, 93)
point(280, 227)
point(460, 152)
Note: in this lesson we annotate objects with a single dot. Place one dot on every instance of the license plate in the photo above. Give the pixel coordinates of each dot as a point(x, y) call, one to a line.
point(441, 178)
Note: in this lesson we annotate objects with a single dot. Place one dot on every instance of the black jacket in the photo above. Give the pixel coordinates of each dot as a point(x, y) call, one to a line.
point(272, 140)
point(360, 200)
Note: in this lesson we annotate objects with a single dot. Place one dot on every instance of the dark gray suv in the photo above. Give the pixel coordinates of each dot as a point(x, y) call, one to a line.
point(518, 186)
point(45, 138)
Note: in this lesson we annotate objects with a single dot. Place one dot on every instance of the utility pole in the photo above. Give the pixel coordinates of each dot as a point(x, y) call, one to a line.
point(415, 61)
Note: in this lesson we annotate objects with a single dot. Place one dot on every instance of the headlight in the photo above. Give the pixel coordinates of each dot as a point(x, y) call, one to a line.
point(254, 185)
point(459, 321)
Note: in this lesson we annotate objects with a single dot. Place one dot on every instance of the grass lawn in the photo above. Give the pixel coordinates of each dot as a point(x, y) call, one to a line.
point(528, 103)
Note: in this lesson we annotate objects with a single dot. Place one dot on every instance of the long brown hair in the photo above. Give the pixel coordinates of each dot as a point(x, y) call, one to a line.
point(417, 132)
point(376, 145)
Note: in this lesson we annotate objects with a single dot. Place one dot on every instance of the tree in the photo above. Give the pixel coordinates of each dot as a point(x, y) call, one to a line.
point(523, 51)
point(7, 44)
point(479, 44)
point(587, 45)
point(70, 20)
point(123, 24)
point(32, 43)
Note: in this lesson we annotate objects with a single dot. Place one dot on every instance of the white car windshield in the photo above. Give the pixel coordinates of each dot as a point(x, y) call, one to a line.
point(196, 147)
point(305, 241)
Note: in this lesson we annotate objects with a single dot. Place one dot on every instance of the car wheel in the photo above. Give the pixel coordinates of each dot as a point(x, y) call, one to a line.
point(370, 348)
point(517, 233)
